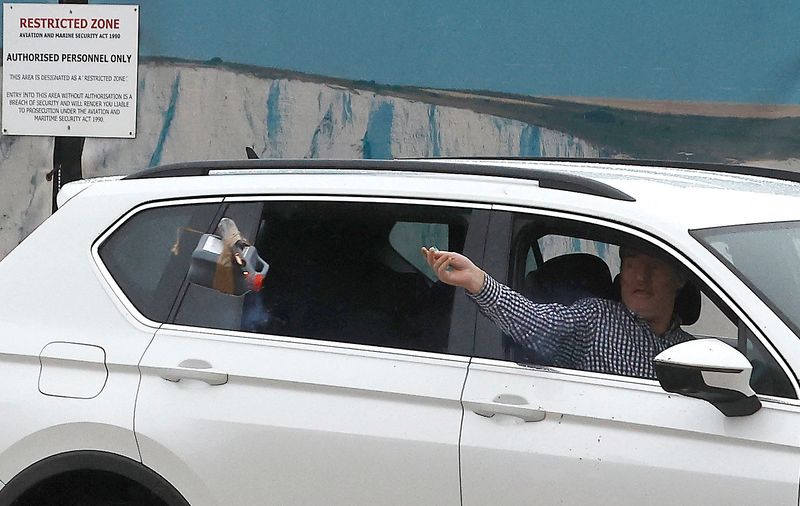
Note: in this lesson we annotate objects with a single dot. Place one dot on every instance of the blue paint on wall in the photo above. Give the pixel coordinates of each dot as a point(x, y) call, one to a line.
point(433, 125)
point(273, 115)
point(169, 114)
point(324, 130)
point(499, 123)
point(530, 141)
point(378, 137)
point(347, 108)
point(602, 250)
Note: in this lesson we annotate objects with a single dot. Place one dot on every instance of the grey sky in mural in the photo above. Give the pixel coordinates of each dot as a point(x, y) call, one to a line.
point(714, 50)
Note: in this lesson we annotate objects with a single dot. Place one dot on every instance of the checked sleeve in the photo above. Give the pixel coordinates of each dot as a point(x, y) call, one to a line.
point(559, 334)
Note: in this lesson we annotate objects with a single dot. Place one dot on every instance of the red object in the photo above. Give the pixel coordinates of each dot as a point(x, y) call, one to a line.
point(258, 282)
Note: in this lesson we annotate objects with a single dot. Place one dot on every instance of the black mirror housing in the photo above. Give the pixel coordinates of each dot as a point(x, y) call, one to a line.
point(711, 370)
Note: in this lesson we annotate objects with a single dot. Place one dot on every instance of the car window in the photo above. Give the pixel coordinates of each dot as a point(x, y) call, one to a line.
point(206, 307)
point(553, 245)
point(765, 256)
point(407, 237)
point(713, 322)
point(563, 261)
point(148, 255)
point(342, 271)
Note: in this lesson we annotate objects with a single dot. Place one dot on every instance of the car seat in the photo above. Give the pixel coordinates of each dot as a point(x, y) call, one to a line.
point(567, 278)
point(564, 279)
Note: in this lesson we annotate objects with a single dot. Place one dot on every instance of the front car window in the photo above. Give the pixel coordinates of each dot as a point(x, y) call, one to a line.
point(766, 257)
point(562, 261)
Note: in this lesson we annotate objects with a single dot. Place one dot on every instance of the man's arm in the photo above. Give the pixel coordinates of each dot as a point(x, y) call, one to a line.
point(555, 332)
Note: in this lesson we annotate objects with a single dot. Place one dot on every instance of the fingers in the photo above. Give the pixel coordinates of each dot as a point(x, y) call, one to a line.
point(439, 261)
point(425, 252)
point(454, 269)
point(431, 254)
point(441, 264)
point(428, 255)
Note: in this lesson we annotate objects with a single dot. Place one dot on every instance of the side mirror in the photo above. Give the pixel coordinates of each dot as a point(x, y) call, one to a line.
point(711, 370)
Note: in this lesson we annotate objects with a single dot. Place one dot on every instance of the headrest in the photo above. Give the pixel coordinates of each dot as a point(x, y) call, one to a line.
point(687, 302)
point(568, 278)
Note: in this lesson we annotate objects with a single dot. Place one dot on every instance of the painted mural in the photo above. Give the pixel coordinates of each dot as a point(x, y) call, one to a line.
point(712, 81)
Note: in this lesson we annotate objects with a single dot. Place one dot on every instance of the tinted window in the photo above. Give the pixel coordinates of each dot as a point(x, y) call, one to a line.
point(148, 256)
point(407, 237)
point(346, 272)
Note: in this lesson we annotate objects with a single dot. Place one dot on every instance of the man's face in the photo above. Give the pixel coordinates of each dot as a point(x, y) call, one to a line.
point(648, 287)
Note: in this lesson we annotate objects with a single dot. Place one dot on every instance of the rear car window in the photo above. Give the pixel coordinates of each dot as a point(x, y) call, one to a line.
point(407, 237)
point(148, 256)
point(341, 271)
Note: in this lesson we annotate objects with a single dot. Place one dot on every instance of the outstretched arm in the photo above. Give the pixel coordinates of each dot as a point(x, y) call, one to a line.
point(556, 333)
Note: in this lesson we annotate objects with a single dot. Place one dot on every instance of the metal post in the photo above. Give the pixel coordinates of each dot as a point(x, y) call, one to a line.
point(67, 151)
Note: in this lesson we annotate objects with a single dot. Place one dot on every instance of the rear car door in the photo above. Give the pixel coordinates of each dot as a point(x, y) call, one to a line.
point(339, 382)
point(69, 355)
point(539, 434)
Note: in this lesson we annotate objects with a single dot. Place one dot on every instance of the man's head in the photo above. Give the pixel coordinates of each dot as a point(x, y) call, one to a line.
point(649, 284)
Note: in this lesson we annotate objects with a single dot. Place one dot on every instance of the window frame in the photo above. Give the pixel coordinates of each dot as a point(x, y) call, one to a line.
point(717, 293)
point(119, 296)
point(464, 314)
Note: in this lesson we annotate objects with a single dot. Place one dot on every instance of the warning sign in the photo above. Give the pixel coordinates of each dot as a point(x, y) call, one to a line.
point(70, 70)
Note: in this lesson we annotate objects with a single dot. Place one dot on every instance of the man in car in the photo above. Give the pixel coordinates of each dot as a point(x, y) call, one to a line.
point(592, 334)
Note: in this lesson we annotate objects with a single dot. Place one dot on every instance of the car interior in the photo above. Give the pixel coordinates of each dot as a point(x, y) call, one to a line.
point(337, 275)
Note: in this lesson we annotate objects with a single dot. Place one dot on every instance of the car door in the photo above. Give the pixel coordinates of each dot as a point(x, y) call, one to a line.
point(538, 434)
point(339, 383)
point(68, 355)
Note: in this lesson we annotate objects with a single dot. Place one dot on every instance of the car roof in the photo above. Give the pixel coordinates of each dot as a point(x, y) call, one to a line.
point(663, 194)
point(695, 197)
point(644, 179)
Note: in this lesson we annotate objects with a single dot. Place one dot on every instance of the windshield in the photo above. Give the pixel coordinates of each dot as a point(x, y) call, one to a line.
point(766, 256)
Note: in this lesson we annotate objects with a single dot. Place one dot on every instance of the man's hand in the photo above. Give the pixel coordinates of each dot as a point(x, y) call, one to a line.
point(455, 269)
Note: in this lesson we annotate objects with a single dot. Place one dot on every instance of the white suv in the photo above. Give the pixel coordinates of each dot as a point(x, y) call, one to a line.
point(355, 377)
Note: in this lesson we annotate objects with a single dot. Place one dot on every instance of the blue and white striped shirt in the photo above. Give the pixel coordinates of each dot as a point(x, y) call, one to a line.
point(592, 334)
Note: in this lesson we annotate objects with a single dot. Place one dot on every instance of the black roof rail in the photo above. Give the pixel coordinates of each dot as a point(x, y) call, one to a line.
point(545, 178)
point(741, 170)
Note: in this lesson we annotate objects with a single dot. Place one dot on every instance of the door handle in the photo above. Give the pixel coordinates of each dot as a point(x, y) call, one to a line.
point(507, 404)
point(194, 369)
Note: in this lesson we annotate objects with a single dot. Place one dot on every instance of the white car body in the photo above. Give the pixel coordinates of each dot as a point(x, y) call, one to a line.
point(231, 417)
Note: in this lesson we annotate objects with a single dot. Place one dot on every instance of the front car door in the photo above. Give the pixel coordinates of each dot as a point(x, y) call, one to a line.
point(339, 383)
point(538, 434)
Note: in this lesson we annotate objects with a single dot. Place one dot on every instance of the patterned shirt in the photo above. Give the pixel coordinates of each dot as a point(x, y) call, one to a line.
point(592, 334)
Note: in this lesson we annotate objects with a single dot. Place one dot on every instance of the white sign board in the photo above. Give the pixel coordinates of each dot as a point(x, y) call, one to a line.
point(70, 70)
